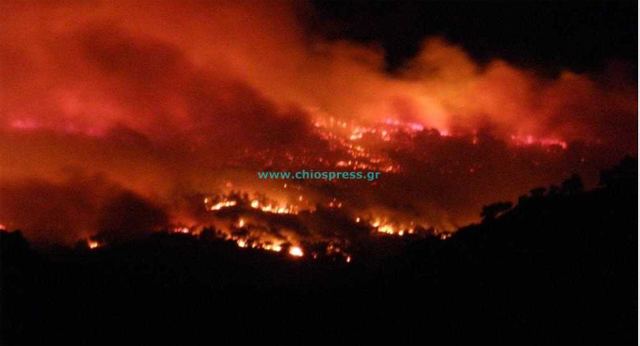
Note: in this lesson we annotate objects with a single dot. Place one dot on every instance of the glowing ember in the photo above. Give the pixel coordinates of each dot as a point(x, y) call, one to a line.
point(183, 230)
point(276, 248)
point(263, 204)
point(386, 229)
point(221, 205)
point(531, 140)
point(296, 251)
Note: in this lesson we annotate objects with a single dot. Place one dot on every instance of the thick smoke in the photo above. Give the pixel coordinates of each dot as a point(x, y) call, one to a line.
point(175, 98)
point(78, 207)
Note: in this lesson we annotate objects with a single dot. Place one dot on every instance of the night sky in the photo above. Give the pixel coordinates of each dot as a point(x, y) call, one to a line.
point(545, 35)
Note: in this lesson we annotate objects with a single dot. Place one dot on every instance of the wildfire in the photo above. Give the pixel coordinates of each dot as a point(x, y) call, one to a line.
point(343, 137)
point(399, 231)
point(358, 146)
point(270, 247)
point(360, 141)
point(531, 140)
point(92, 244)
point(275, 209)
point(249, 230)
point(446, 235)
point(386, 229)
point(255, 244)
point(416, 128)
point(383, 225)
point(221, 205)
point(183, 230)
point(296, 251)
point(266, 206)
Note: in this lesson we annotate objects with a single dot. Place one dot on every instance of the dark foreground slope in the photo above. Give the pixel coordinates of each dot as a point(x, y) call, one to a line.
point(559, 267)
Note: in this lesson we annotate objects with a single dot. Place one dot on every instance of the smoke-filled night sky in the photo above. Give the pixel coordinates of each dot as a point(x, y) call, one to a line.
point(120, 118)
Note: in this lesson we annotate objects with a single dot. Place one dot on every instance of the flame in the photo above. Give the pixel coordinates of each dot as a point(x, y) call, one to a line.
point(267, 207)
point(374, 135)
point(296, 251)
point(531, 140)
point(183, 230)
point(220, 205)
point(270, 247)
point(255, 244)
point(437, 93)
point(277, 209)
point(92, 244)
point(386, 229)
point(445, 235)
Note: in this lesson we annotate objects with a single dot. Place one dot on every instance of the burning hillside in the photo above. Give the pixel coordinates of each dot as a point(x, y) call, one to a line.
point(121, 119)
point(291, 172)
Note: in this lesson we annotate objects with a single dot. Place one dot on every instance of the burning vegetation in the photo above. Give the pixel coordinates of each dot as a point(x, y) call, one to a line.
point(142, 145)
point(178, 121)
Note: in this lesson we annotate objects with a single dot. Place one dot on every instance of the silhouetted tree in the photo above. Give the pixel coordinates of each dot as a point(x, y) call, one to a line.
point(554, 190)
point(13, 243)
point(623, 173)
point(491, 211)
point(573, 185)
point(208, 234)
point(538, 192)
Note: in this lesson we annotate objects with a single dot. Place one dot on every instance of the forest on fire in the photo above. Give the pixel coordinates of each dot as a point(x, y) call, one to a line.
point(558, 267)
